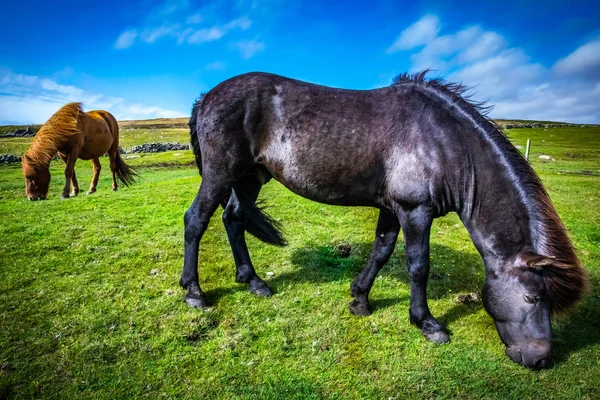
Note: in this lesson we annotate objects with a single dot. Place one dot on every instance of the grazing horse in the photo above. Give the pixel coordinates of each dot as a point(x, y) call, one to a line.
point(73, 134)
point(416, 150)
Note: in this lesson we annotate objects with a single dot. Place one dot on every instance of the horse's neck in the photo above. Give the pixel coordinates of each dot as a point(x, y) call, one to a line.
point(42, 149)
point(496, 218)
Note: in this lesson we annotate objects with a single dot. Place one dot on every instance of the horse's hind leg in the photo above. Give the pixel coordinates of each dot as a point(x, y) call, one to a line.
point(416, 226)
point(112, 156)
point(385, 241)
point(95, 175)
point(235, 218)
point(196, 221)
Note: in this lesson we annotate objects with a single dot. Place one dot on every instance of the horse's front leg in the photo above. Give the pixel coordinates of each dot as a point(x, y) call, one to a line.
point(69, 172)
point(385, 241)
point(196, 221)
point(75, 189)
point(95, 175)
point(235, 218)
point(416, 227)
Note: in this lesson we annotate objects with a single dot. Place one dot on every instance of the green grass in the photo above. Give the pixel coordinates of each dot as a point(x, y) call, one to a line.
point(90, 306)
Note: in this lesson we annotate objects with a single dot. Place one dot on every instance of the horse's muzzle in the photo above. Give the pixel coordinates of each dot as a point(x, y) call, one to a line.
point(534, 354)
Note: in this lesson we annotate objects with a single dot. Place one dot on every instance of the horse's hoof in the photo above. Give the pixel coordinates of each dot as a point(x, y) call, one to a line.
point(90, 191)
point(196, 301)
point(439, 337)
point(261, 290)
point(359, 308)
point(115, 189)
point(74, 194)
point(64, 196)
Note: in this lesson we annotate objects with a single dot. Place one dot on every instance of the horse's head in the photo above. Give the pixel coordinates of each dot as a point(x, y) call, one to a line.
point(518, 300)
point(37, 179)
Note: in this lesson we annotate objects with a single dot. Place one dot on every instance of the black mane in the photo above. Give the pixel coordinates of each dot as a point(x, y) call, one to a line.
point(565, 279)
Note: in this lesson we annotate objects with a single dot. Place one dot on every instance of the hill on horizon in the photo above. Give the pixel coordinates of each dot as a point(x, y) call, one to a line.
point(181, 123)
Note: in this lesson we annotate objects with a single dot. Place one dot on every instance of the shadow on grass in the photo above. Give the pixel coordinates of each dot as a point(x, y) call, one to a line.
point(452, 272)
point(578, 330)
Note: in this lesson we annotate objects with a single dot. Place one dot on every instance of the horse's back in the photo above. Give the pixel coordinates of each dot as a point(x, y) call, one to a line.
point(101, 132)
point(336, 146)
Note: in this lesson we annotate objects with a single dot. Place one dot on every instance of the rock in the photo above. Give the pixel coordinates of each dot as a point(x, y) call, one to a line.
point(9, 159)
point(158, 147)
point(468, 298)
point(343, 250)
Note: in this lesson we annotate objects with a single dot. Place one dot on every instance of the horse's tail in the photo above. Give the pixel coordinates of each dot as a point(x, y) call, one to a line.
point(124, 172)
point(260, 224)
point(194, 134)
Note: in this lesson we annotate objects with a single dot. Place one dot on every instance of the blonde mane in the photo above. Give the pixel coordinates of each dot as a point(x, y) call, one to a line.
point(55, 134)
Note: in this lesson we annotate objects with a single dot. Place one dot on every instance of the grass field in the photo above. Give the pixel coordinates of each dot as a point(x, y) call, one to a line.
point(90, 306)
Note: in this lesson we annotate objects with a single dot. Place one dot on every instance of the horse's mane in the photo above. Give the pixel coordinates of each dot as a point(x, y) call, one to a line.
point(55, 133)
point(565, 279)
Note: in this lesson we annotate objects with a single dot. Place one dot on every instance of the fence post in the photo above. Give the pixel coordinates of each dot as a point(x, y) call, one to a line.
point(527, 149)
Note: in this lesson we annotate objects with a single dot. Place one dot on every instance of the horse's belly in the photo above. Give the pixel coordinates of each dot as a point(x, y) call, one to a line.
point(329, 187)
point(95, 146)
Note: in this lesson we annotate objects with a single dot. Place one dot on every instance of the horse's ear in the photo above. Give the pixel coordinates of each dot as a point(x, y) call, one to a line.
point(534, 261)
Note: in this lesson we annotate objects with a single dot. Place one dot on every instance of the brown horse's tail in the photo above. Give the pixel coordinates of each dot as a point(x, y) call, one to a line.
point(124, 172)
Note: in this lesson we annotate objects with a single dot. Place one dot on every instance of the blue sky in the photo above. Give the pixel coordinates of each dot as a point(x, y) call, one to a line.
point(146, 59)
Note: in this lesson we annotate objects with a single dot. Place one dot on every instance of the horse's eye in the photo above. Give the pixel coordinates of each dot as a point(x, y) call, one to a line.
point(531, 299)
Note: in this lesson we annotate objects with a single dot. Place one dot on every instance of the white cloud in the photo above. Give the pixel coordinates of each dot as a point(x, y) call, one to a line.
point(242, 23)
point(188, 33)
point(420, 33)
point(152, 35)
point(195, 19)
point(205, 35)
point(515, 85)
point(248, 48)
point(28, 99)
point(501, 76)
point(126, 39)
point(216, 66)
point(467, 45)
point(584, 61)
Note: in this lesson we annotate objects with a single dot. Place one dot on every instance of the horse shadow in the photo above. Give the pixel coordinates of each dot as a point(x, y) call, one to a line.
point(577, 330)
point(452, 272)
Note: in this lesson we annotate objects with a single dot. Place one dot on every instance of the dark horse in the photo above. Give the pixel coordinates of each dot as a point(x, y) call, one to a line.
point(416, 150)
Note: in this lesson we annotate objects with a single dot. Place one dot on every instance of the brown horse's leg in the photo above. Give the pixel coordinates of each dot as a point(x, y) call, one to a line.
point(112, 155)
point(235, 218)
point(95, 176)
point(69, 172)
point(75, 189)
point(385, 241)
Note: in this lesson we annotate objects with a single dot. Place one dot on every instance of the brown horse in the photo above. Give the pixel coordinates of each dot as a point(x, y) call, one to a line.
point(73, 134)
